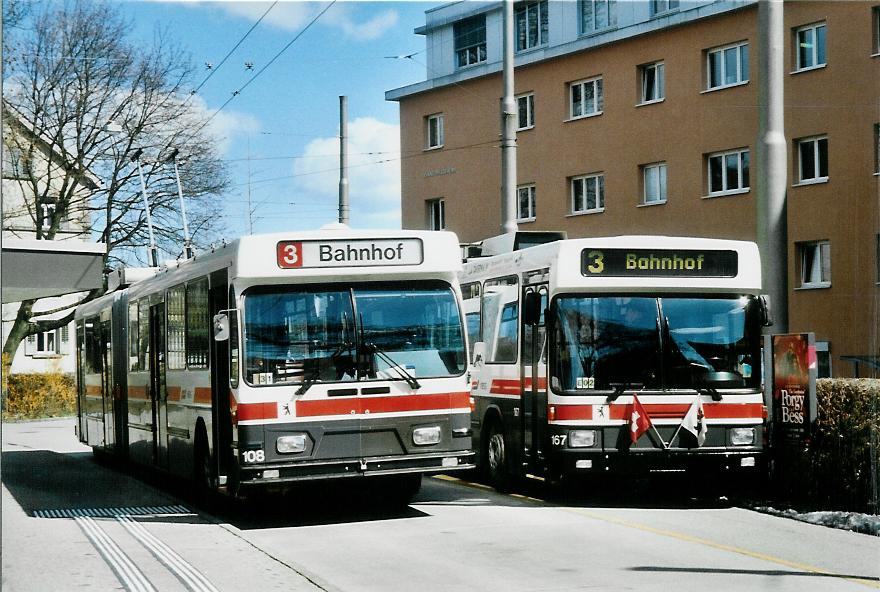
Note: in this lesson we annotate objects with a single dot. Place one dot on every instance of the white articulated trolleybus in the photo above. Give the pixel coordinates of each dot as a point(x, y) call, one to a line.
point(623, 354)
point(278, 358)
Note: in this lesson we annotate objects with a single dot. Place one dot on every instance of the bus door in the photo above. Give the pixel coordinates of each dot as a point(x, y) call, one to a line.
point(158, 394)
point(533, 374)
point(107, 383)
point(218, 299)
point(80, 382)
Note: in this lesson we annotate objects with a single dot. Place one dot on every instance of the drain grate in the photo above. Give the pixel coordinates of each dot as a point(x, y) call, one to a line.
point(112, 512)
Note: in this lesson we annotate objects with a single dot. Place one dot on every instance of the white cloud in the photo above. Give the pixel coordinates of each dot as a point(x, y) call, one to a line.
point(293, 16)
point(373, 171)
point(225, 124)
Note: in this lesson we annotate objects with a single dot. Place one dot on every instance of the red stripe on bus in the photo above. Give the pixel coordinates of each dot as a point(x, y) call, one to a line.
point(202, 394)
point(92, 389)
point(394, 404)
point(254, 411)
point(515, 387)
point(663, 411)
point(173, 393)
point(137, 392)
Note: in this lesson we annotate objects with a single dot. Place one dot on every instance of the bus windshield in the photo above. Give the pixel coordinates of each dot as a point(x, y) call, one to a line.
point(314, 334)
point(634, 342)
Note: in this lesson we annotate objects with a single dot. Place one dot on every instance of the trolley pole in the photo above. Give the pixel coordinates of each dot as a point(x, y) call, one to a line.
point(152, 251)
point(508, 129)
point(187, 245)
point(772, 231)
point(343, 160)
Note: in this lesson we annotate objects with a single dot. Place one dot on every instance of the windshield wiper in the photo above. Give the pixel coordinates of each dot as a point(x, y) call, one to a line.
point(308, 381)
point(409, 378)
point(619, 387)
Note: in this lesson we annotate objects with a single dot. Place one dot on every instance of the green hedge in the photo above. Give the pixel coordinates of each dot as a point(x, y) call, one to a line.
point(33, 396)
point(840, 453)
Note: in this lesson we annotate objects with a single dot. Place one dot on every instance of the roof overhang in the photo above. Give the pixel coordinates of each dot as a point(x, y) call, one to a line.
point(42, 268)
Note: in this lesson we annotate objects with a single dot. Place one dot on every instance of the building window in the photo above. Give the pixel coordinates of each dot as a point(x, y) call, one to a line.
point(815, 264)
point(434, 131)
point(470, 41)
point(525, 203)
point(47, 343)
point(531, 24)
point(875, 15)
point(877, 258)
point(436, 209)
point(877, 148)
point(728, 172)
point(659, 6)
point(588, 194)
point(810, 47)
point(585, 98)
point(47, 215)
point(525, 111)
point(651, 78)
point(597, 15)
point(15, 165)
point(654, 183)
point(812, 159)
point(727, 66)
point(823, 359)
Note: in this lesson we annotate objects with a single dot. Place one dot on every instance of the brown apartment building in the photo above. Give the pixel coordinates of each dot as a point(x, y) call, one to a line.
point(641, 117)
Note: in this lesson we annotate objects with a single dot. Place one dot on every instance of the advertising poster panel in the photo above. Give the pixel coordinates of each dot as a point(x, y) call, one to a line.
point(794, 386)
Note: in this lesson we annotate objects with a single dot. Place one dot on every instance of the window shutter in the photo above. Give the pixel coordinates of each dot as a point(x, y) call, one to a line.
point(30, 345)
point(64, 340)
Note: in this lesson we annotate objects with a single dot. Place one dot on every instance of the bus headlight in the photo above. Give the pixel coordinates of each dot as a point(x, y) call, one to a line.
point(426, 436)
point(742, 436)
point(291, 444)
point(582, 438)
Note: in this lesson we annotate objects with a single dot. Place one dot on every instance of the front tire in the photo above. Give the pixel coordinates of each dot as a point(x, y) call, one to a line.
point(204, 482)
point(495, 461)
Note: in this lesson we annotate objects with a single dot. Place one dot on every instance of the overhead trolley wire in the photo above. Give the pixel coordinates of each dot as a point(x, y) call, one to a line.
point(269, 63)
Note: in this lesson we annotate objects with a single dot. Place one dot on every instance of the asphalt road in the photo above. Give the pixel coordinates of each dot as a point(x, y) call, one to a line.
point(71, 523)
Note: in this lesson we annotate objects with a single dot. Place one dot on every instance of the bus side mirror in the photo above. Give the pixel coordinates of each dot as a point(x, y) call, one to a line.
point(766, 311)
point(532, 308)
point(479, 353)
point(221, 327)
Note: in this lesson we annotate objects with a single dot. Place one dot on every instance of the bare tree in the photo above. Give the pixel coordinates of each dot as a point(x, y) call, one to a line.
point(79, 90)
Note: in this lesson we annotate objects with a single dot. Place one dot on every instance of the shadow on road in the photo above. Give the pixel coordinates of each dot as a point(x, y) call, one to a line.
point(750, 572)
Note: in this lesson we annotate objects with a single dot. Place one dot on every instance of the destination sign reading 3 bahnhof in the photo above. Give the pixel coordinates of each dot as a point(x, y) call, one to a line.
point(347, 253)
point(658, 262)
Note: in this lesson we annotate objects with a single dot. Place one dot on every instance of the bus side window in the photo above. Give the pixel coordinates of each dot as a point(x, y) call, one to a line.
point(505, 351)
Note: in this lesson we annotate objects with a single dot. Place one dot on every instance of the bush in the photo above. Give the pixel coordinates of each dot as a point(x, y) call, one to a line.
point(32, 396)
point(846, 434)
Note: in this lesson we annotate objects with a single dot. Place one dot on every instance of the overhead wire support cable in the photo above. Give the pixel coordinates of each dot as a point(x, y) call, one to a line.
point(214, 69)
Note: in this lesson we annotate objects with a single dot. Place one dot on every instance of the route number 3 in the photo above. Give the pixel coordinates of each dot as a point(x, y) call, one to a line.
point(289, 255)
point(597, 264)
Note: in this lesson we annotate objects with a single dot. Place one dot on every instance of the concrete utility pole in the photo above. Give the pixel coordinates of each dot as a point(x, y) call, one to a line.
point(771, 162)
point(343, 159)
point(508, 130)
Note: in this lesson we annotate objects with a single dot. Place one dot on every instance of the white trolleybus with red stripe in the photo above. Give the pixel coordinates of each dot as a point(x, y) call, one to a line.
point(281, 358)
point(630, 354)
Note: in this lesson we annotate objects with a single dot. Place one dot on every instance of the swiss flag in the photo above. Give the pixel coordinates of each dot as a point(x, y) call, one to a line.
point(639, 422)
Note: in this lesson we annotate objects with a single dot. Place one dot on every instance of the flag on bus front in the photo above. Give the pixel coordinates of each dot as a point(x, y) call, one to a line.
point(639, 422)
point(694, 424)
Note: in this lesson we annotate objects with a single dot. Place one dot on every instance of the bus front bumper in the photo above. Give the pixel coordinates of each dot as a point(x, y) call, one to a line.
point(289, 472)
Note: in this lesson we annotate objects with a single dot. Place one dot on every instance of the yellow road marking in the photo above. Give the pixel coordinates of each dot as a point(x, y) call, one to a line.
point(871, 583)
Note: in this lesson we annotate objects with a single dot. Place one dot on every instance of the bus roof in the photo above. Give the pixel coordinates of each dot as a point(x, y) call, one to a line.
point(633, 263)
point(337, 253)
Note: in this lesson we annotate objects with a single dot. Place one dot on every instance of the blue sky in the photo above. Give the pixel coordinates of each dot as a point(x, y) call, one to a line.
point(279, 134)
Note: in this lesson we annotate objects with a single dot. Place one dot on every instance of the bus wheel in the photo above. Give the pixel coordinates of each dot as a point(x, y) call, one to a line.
point(204, 482)
point(495, 459)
